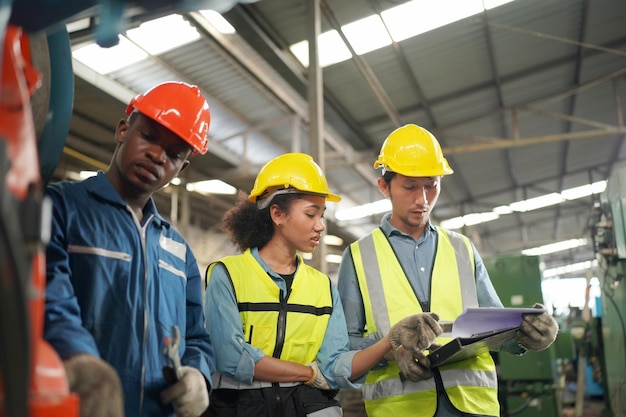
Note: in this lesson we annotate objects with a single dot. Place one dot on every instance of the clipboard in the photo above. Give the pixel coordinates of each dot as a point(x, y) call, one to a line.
point(478, 330)
point(461, 348)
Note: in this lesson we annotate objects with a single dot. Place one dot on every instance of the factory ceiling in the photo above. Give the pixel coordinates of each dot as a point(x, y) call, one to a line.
point(526, 98)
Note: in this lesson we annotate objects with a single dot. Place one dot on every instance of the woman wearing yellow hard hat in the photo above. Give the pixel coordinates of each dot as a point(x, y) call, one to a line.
point(281, 343)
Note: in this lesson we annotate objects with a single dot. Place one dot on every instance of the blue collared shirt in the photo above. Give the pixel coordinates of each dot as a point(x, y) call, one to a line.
point(236, 358)
point(116, 287)
point(417, 258)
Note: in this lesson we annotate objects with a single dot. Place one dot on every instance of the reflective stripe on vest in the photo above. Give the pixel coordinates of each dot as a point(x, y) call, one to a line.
point(291, 328)
point(470, 384)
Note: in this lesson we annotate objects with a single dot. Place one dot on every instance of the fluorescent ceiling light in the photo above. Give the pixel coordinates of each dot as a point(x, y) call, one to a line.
point(333, 240)
point(502, 210)
point(525, 205)
point(555, 247)
point(218, 22)
point(576, 267)
point(175, 181)
point(584, 190)
point(537, 202)
point(332, 258)
point(402, 22)
point(365, 210)
point(211, 187)
point(367, 34)
point(476, 218)
point(453, 223)
point(469, 220)
point(87, 174)
point(106, 60)
point(163, 34)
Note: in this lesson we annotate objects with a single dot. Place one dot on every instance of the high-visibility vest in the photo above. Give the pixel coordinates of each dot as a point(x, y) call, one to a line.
point(289, 327)
point(470, 384)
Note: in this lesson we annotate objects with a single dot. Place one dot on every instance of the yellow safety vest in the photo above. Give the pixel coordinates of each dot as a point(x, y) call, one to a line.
point(290, 328)
point(471, 384)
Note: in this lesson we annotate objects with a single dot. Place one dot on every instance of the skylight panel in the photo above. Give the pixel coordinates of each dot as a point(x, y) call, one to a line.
point(163, 34)
point(402, 22)
point(218, 22)
point(106, 60)
point(367, 34)
point(331, 47)
point(420, 16)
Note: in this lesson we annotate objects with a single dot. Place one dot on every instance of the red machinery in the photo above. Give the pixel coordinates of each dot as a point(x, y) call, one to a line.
point(33, 380)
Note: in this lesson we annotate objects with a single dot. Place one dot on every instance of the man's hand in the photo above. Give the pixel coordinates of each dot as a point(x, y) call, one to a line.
point(190, 395)
point(414, 367)
point(537, 331)
point(416, 332)
point(317, 381)
point(97, 384)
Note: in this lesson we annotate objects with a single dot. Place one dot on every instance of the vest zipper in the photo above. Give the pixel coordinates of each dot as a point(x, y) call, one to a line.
point(281, 324)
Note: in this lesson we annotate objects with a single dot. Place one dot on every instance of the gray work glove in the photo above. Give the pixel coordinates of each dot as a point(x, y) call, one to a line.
point(416, 332)
point(537, 331)
point(413, 367)
point(97, 384)
point(317, 381)
point(190, 395)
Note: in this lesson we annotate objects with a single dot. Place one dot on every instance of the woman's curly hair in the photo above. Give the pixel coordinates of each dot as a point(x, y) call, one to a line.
point(249, 227)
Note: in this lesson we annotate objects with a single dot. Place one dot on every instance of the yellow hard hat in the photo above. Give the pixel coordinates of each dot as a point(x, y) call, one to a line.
point(413, 151)
point(291, 172)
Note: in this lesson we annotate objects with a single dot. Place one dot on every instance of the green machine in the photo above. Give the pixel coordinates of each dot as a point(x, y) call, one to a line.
point(609, 237)
point(527, 384)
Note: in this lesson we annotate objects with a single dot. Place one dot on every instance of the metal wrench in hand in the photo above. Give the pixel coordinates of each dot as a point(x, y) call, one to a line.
point(171, 350)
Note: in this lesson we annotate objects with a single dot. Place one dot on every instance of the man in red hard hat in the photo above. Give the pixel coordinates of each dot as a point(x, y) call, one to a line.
point(120, 277)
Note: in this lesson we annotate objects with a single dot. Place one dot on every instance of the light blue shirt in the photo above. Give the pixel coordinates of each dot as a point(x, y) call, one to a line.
point(236, 358)
point(417, 259)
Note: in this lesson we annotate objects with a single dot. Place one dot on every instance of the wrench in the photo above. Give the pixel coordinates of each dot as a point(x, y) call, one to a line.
point(171, 351)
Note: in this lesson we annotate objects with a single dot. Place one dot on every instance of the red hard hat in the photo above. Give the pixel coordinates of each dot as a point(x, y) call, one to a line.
point(181, 108)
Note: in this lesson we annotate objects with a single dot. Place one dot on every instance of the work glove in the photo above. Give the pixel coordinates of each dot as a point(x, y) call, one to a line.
point(189, 396)
point(413, 367)
point(537, 331)
point(97, 384)
point(416, 332)
point(317, 380)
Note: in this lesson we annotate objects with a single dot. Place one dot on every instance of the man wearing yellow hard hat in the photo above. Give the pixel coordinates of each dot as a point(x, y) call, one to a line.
point(409, 265)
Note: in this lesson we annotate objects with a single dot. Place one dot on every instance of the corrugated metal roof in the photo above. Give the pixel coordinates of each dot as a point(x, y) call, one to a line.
point(506, 92)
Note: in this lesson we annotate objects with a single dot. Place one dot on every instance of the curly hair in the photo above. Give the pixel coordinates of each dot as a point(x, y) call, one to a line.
point(249, 227)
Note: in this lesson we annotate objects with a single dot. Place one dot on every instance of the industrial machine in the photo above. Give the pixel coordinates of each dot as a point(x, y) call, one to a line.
point(609, 237)
point(528, 385)
point(531, 385)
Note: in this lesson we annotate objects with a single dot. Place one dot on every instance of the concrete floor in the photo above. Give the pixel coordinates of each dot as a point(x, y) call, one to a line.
point(592, 407)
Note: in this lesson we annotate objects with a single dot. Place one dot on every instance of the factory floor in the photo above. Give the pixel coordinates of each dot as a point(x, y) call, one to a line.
point(352, 404)
point(592, 407)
